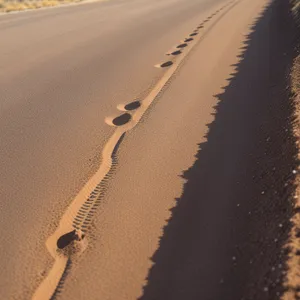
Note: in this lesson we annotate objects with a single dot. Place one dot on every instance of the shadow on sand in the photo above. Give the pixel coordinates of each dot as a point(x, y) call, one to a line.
point(224, 240)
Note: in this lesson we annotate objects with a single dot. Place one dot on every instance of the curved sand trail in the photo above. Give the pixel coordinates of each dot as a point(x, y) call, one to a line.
point(78, 215)
point(197, 179)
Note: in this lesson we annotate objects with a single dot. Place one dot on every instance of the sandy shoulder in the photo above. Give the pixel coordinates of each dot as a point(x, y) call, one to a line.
point(151, 160)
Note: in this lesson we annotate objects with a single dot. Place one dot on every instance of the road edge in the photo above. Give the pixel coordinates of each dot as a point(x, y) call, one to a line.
point(292, 279)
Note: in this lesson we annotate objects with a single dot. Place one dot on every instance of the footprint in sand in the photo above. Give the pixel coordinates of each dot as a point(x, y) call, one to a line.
point(165, 64)
point(130, 106)
point(68, 238)
point(119, 120)
point(176, 52)
point(182, 45)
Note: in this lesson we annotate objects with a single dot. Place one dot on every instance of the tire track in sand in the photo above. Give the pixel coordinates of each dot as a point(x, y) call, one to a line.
point(68, 238)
